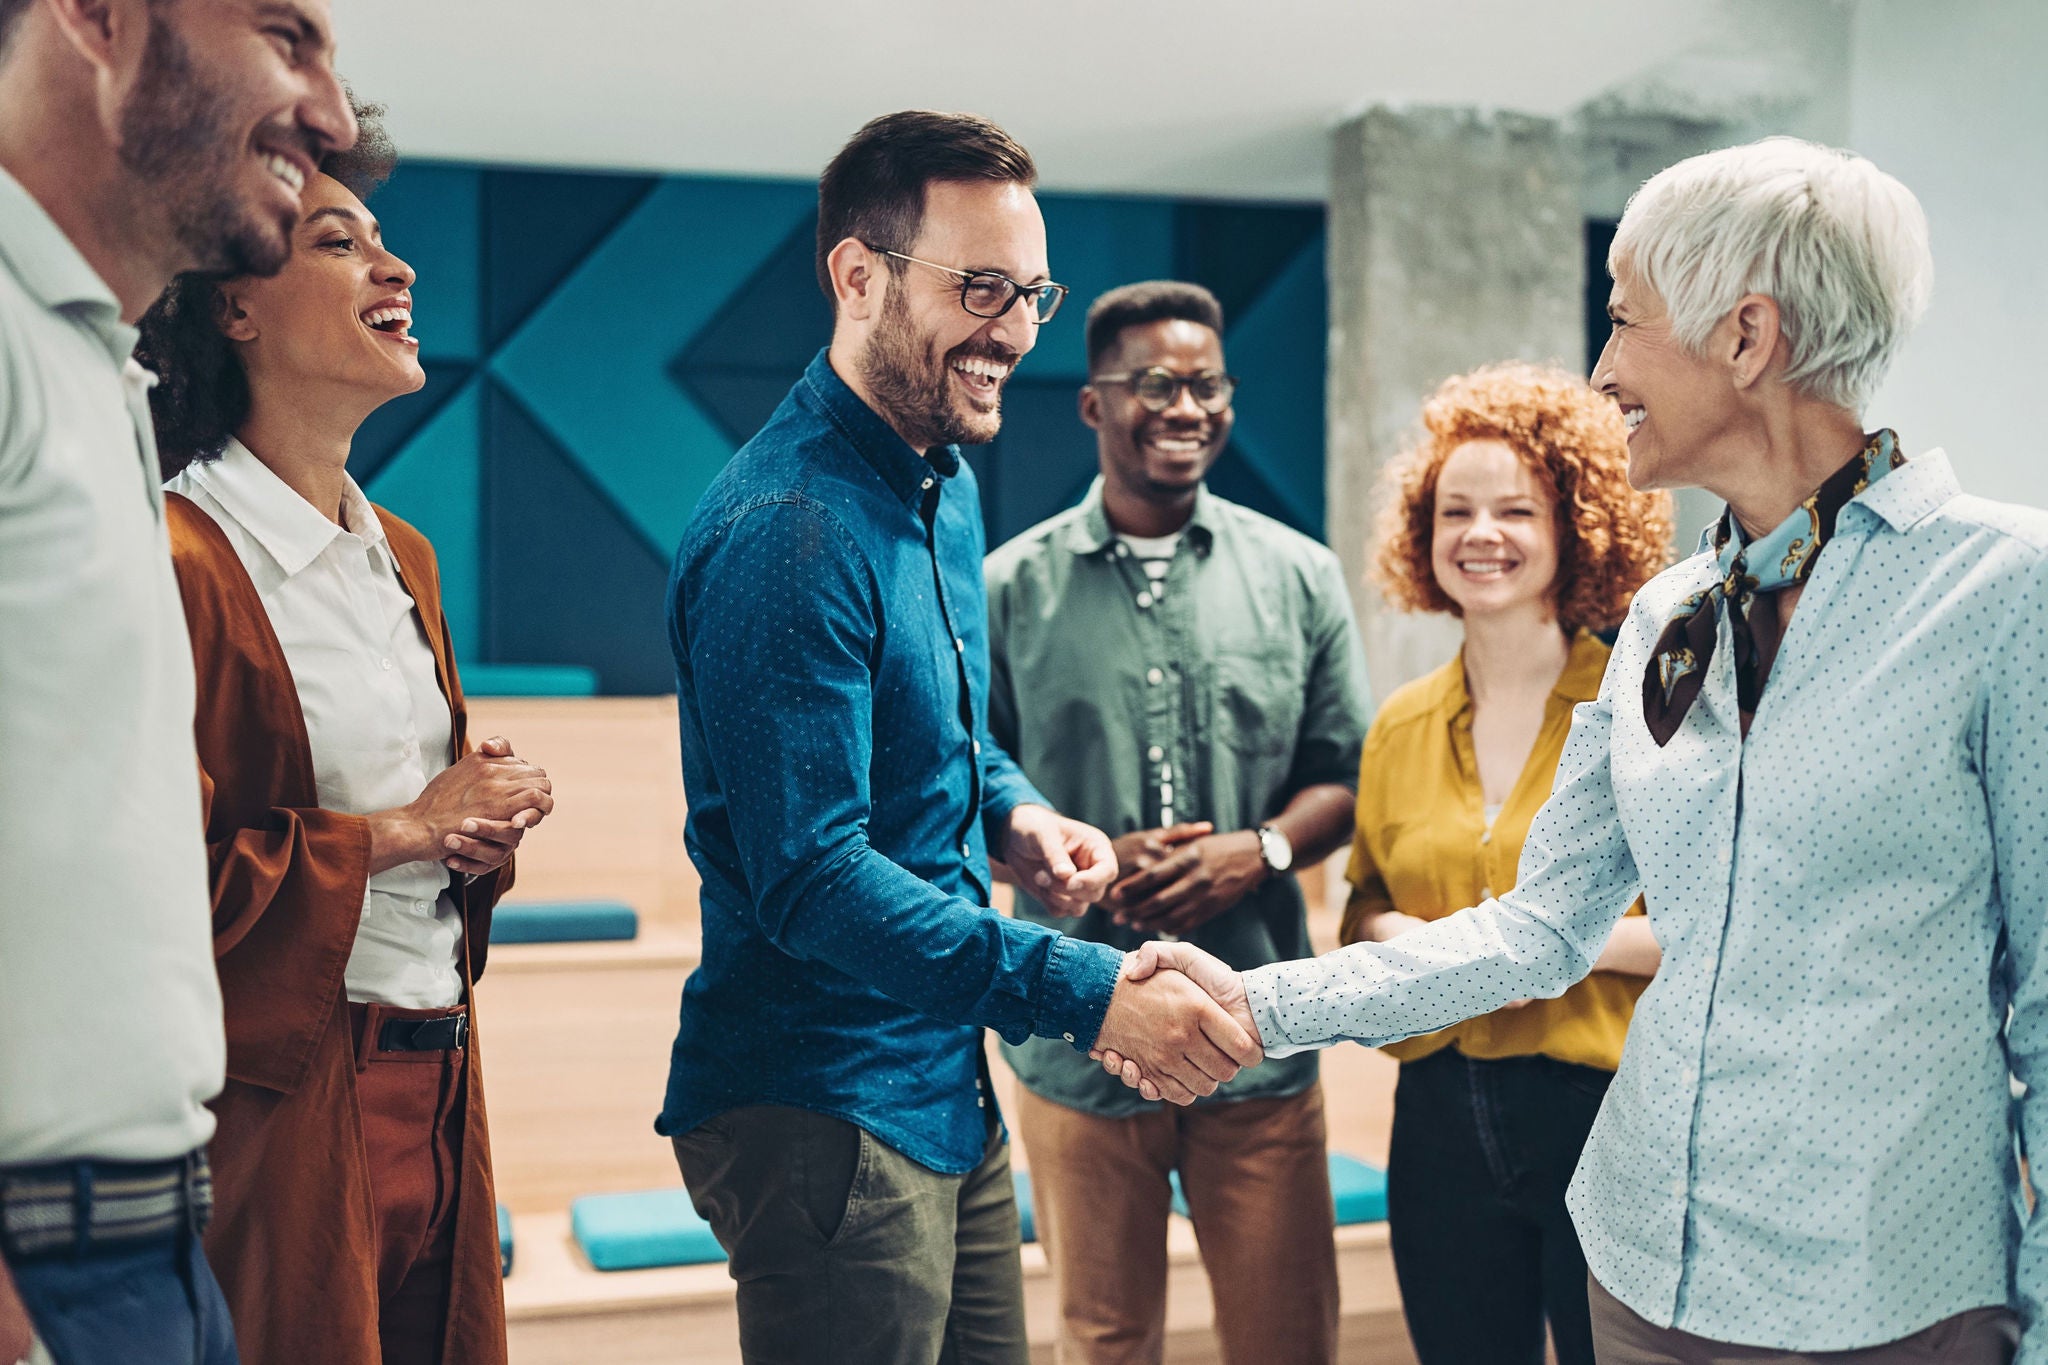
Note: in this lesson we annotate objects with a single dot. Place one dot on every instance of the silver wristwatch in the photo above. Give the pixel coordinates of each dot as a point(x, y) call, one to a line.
point(1274, 848)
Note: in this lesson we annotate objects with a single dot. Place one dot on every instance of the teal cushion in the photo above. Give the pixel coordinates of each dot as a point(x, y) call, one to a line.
point(504, 1240)
point(1024, 1216)
point(528, 680)
point(563, 922)
point(635, 1231)
point(1360, 1191)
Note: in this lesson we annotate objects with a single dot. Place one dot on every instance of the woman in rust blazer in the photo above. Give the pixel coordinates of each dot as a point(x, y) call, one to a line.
point(357, 842)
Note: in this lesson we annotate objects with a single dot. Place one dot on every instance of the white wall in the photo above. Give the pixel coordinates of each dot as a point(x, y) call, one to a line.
point(1951, 99)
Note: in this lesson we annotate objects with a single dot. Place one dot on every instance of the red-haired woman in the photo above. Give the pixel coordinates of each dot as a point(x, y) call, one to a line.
point(1514, 514)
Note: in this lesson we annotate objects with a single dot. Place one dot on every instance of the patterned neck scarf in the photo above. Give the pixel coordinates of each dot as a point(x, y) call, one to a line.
point(1785, 557)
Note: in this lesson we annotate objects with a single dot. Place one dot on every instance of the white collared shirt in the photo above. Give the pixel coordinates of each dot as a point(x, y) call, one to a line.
point(375, 715)
point(110, 1013)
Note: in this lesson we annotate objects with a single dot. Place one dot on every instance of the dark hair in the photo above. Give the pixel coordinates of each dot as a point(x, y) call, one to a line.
point(11, 10)
point(202, 394)
point(1134, 305)
point(873, 190)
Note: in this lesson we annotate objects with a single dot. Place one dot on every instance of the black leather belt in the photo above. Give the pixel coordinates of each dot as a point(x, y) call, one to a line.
point(424, 1035)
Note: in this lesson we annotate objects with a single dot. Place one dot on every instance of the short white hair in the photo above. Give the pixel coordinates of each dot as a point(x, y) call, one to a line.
point(1838, 244)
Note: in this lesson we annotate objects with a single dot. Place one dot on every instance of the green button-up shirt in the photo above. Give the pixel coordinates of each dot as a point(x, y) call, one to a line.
point(1217, 699)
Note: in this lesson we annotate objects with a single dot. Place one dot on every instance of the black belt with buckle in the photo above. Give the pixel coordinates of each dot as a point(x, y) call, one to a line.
point(424, 1035)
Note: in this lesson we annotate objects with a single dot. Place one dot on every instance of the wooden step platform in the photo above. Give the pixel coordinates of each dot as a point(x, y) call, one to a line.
point(576, 1037)
point(560, 1311)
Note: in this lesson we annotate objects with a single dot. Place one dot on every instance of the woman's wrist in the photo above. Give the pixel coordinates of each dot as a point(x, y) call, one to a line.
point(398, 837)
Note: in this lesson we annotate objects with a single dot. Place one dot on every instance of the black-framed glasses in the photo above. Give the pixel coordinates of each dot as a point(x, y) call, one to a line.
point(1158, 388)
point(990, 293)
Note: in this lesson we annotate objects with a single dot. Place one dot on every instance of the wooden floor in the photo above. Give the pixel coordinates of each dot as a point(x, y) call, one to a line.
point(576, 1041)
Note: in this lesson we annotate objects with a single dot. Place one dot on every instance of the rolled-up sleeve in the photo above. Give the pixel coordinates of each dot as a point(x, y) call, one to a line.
point(781, 664)
point(1577, 877)
point(1338, 704)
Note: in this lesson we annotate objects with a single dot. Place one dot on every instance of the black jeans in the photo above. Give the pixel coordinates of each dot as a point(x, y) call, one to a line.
point(1483, 1248)
point(847, 1252)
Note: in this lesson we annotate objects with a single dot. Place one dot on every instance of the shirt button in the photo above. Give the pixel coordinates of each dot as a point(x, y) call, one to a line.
point(1068, 1036)
point(423, 907)
point(1154, 676)
point(1486, 836)
point(1155, 753)
point(959, 645)
point(927, 483)
point(966, 850)
point(1486, 893)
point(1678, 1188)
point(385, 664)
point(977, 745)
point(1144, 599)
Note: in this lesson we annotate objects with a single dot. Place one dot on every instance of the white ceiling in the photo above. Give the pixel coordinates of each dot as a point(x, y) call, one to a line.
point(1198, 97)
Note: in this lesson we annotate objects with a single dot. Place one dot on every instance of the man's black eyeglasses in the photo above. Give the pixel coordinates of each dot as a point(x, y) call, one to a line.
point(990, 294)
point(1159, 388)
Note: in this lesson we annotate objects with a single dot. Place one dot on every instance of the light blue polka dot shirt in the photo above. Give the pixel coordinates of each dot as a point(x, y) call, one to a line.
point(1807, 1146)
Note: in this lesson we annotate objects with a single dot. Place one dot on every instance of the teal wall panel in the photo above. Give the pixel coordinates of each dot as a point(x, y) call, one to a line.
point(435, 483)
point(432, 216)
point(597, 346)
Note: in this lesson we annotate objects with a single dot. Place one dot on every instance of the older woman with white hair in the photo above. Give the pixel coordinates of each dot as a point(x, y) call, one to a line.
point(1818, 752)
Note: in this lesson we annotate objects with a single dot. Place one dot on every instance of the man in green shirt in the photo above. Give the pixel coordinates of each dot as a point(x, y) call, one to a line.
point(1185, 674)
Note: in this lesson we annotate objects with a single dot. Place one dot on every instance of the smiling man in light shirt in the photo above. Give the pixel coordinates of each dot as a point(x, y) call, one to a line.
point(1818, 752)
point(137, 140)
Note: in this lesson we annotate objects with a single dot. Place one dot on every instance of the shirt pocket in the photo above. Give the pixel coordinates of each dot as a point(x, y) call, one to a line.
point(1258, 699)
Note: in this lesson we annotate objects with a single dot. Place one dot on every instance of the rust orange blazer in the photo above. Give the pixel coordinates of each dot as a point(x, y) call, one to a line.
point(292, 1238)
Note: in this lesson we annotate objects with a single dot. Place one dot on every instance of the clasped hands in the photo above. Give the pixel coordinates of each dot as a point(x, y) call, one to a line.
point(469, 818)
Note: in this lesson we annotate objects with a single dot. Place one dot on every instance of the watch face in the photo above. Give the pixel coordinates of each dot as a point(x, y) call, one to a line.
point(1279, 854)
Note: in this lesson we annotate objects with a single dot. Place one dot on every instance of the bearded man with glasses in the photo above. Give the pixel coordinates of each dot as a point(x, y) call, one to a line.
point(828, 1093)
point(1185, 673)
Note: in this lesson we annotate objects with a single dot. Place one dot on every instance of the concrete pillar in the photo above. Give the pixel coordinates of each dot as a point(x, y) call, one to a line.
point(1455, 238)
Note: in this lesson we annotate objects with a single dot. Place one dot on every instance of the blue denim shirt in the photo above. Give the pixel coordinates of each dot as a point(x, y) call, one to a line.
point(831, 638)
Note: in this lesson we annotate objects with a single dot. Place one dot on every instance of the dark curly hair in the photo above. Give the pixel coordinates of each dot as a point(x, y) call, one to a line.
point(1610, 538)
point(202, 394)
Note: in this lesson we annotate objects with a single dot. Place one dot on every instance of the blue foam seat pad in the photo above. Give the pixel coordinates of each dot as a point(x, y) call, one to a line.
point(637, 1231)
point(504, 1240)
point(563, 922)
point(528, 680)
point(1024, 1214)
point(1358, 1190)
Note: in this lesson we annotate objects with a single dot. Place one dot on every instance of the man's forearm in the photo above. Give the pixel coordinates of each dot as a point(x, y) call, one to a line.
point(1318, 821)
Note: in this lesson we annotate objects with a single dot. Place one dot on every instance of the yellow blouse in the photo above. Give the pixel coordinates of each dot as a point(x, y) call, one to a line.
point(1423, 848)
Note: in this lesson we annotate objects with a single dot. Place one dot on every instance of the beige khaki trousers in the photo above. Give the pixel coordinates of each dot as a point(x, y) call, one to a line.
point(1621, 1336)
point(1257, 1181)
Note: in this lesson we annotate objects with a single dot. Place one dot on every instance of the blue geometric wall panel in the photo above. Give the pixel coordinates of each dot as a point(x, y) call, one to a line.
point(436, 483)
point(597, 346)
point(571, 585)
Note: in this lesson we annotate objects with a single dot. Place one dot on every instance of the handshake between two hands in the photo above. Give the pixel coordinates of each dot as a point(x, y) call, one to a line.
point(1179, 1024)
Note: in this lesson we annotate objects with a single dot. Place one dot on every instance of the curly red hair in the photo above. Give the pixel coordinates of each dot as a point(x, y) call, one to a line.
point(1610, 538)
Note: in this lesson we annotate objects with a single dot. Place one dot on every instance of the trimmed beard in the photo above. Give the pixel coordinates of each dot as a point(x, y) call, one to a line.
point(912, 385)
point(175, 138)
